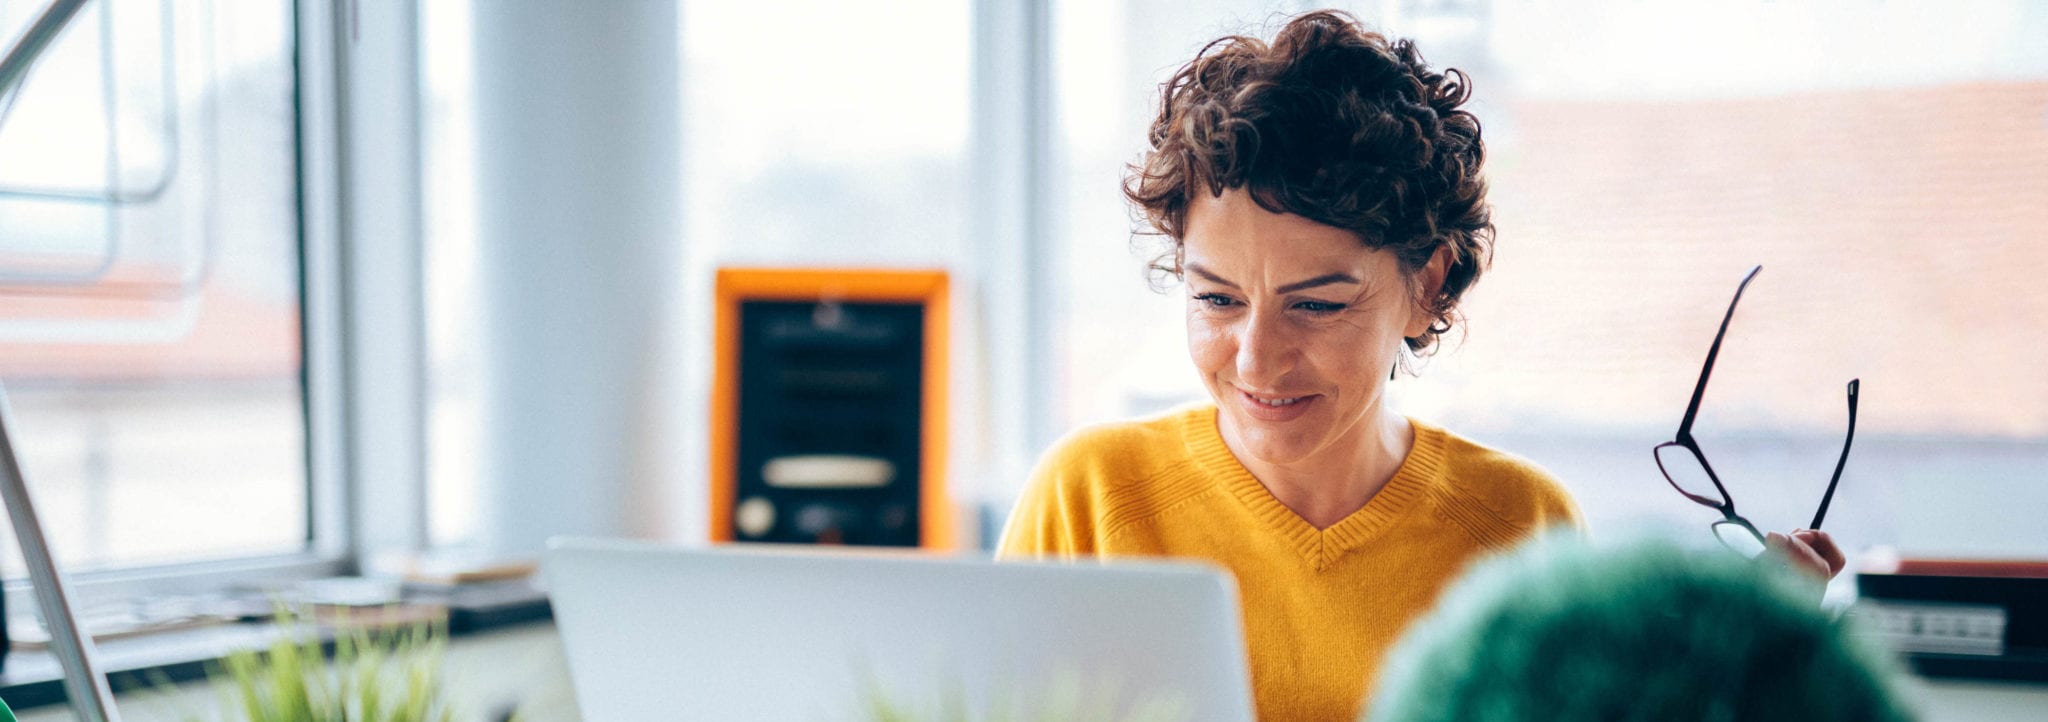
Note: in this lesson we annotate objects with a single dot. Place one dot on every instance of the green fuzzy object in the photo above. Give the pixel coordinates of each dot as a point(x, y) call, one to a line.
point(1562, 630)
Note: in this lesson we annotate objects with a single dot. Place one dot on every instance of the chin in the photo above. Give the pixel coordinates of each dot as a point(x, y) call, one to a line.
point(1267, 446)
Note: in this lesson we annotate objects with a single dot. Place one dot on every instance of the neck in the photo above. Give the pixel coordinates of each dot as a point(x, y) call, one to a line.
point(1336, 482)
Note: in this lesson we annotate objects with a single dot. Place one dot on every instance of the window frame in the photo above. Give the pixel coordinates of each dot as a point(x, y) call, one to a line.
point(1014, 157)
point(348, 293)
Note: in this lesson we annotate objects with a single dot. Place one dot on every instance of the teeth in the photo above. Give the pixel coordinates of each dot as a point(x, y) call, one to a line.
point(1276, 402)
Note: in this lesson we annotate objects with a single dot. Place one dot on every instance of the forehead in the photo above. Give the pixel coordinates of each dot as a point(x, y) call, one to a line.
point(1232, 235)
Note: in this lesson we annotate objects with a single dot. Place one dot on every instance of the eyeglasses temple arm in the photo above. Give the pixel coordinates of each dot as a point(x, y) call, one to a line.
point(1822, 512)
point(1700, 390)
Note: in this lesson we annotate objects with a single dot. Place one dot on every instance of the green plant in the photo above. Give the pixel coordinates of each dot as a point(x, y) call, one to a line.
point(377, 674)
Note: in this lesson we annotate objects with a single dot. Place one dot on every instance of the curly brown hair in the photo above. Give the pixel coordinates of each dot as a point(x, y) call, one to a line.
point(1334, 123)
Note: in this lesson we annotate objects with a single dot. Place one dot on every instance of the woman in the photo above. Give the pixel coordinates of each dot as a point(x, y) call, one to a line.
point(1322, 202)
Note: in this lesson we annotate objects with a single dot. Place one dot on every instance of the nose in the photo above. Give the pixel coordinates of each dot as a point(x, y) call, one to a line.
point(1265, 351)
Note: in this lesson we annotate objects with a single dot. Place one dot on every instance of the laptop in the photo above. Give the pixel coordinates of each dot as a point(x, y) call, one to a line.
point(780, 633)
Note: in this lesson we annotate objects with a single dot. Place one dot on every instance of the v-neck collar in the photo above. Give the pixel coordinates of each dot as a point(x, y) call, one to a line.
point(1422, 470)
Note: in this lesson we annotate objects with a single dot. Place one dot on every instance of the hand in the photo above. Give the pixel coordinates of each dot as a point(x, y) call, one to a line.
point(1808, 550)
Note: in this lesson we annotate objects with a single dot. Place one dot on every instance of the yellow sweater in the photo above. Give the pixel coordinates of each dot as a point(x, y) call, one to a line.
point(1320, 606)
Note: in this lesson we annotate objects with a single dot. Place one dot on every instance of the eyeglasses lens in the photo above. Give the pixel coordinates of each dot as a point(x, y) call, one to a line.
point(1684, 470)
point(1741, 539)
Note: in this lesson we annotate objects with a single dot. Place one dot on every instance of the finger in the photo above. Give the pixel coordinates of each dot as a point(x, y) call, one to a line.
point(1825, 546)
point(1798, 555)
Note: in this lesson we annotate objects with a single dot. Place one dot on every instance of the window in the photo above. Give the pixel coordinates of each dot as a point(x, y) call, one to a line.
point(1883, 162)
point(836, 139)
point(151, 284)
point(844, 144)
point(455, 405)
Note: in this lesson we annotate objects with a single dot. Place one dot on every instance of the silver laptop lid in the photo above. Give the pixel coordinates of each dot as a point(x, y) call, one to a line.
point(735, 633)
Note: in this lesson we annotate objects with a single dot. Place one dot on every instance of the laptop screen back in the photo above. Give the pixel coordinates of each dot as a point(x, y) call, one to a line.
point(731, 633)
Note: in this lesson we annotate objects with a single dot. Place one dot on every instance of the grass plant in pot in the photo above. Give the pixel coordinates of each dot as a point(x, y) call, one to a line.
point(377, 673)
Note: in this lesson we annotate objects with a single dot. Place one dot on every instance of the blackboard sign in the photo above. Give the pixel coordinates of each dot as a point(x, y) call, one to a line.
point(828, 418)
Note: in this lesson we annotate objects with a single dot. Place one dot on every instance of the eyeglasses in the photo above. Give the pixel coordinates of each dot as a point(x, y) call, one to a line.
point(1688, 471)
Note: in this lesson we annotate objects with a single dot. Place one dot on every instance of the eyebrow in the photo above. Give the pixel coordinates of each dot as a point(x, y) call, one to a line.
point(1322, 280)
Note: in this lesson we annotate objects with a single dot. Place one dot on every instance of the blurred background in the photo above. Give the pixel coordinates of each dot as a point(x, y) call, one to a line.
point(259, 303)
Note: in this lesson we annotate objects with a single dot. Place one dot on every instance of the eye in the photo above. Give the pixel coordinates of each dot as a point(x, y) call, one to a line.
point(1215, 300)
point(1319, 307)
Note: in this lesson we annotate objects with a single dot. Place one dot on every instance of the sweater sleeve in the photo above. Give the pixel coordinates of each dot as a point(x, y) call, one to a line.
point(1055, 517)
point(1049, 520)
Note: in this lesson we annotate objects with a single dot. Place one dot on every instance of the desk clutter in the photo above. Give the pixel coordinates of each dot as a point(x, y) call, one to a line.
point(1961, 618)
point(460, 602)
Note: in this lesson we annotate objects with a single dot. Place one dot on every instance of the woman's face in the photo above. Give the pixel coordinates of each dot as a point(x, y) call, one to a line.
point(1294, 326)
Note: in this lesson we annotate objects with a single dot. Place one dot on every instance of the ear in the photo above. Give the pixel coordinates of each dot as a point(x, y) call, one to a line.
point(1429, 283)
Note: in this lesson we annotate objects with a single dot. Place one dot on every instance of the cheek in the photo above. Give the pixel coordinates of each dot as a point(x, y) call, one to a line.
point(1362, 351)
point(1209, 343)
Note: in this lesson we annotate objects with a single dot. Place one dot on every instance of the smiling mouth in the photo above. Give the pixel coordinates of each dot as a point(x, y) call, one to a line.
point(1276, 409)
point(1274, 401)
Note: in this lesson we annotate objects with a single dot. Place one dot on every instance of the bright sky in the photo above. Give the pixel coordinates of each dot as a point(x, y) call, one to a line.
point(828, 82)
point(1605, 48)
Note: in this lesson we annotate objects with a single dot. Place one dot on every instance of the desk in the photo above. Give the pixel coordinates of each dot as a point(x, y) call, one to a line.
point(485, 672)
point(33, 680)
point(487, 669)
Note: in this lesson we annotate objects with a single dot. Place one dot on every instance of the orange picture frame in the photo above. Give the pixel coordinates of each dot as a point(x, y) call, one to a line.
point(930, 288)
